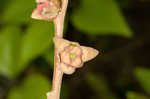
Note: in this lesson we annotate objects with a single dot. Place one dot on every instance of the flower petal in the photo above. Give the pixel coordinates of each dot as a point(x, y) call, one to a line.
point(67, 69)
point(62, 43)
point(88, 53)
point(36, 15)
point(46, 10)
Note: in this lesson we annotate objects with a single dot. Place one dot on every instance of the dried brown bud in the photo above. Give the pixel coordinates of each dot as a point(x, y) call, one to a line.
point(72, 55)
point(46, 9)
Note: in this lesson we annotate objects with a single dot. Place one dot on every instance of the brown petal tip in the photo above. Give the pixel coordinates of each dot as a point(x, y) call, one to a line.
point(89, 53)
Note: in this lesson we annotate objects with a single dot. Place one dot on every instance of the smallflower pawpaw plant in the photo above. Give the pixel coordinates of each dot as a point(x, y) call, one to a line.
point(69, 55)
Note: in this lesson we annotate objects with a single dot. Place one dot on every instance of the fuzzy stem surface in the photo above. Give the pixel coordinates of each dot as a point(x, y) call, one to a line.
point(58, 74)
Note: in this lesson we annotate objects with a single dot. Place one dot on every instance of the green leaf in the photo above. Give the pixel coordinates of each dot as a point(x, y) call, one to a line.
point(134, 95)
point(143, 74)
point(16, 51)
point(49, 56)
point(99, 85)
point(36, 41)
point(18, 11)
point(9, 50)
point(33, 87)
point(3, 3)
point(100, 17)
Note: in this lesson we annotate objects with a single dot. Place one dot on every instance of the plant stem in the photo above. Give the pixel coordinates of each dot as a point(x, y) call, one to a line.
point(58, 74)
point(59, 21)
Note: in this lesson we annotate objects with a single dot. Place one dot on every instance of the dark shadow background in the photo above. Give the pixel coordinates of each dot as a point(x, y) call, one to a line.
point(111, 75)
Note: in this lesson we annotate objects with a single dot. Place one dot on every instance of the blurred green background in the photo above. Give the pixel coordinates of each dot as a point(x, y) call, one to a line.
point(119, 29)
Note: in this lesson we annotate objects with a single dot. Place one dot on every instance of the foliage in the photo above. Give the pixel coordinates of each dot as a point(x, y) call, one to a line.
point(93, 81)
point(100, 17)
point(19, 49)
point(29, 89)
point(133, 95)
point(143, 75)
point(18, 11)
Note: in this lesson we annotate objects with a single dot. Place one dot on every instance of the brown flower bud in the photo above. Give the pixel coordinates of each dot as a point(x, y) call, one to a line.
point(46, 10)
point(72, 55)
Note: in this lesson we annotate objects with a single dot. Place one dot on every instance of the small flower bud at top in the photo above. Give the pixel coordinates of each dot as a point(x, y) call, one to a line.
point(46, 10)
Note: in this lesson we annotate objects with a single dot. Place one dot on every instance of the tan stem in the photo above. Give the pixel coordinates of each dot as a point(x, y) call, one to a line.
point(57, 75)
point(59, 21)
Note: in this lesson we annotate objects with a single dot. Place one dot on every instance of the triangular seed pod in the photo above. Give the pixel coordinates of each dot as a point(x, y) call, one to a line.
point(88, 53)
